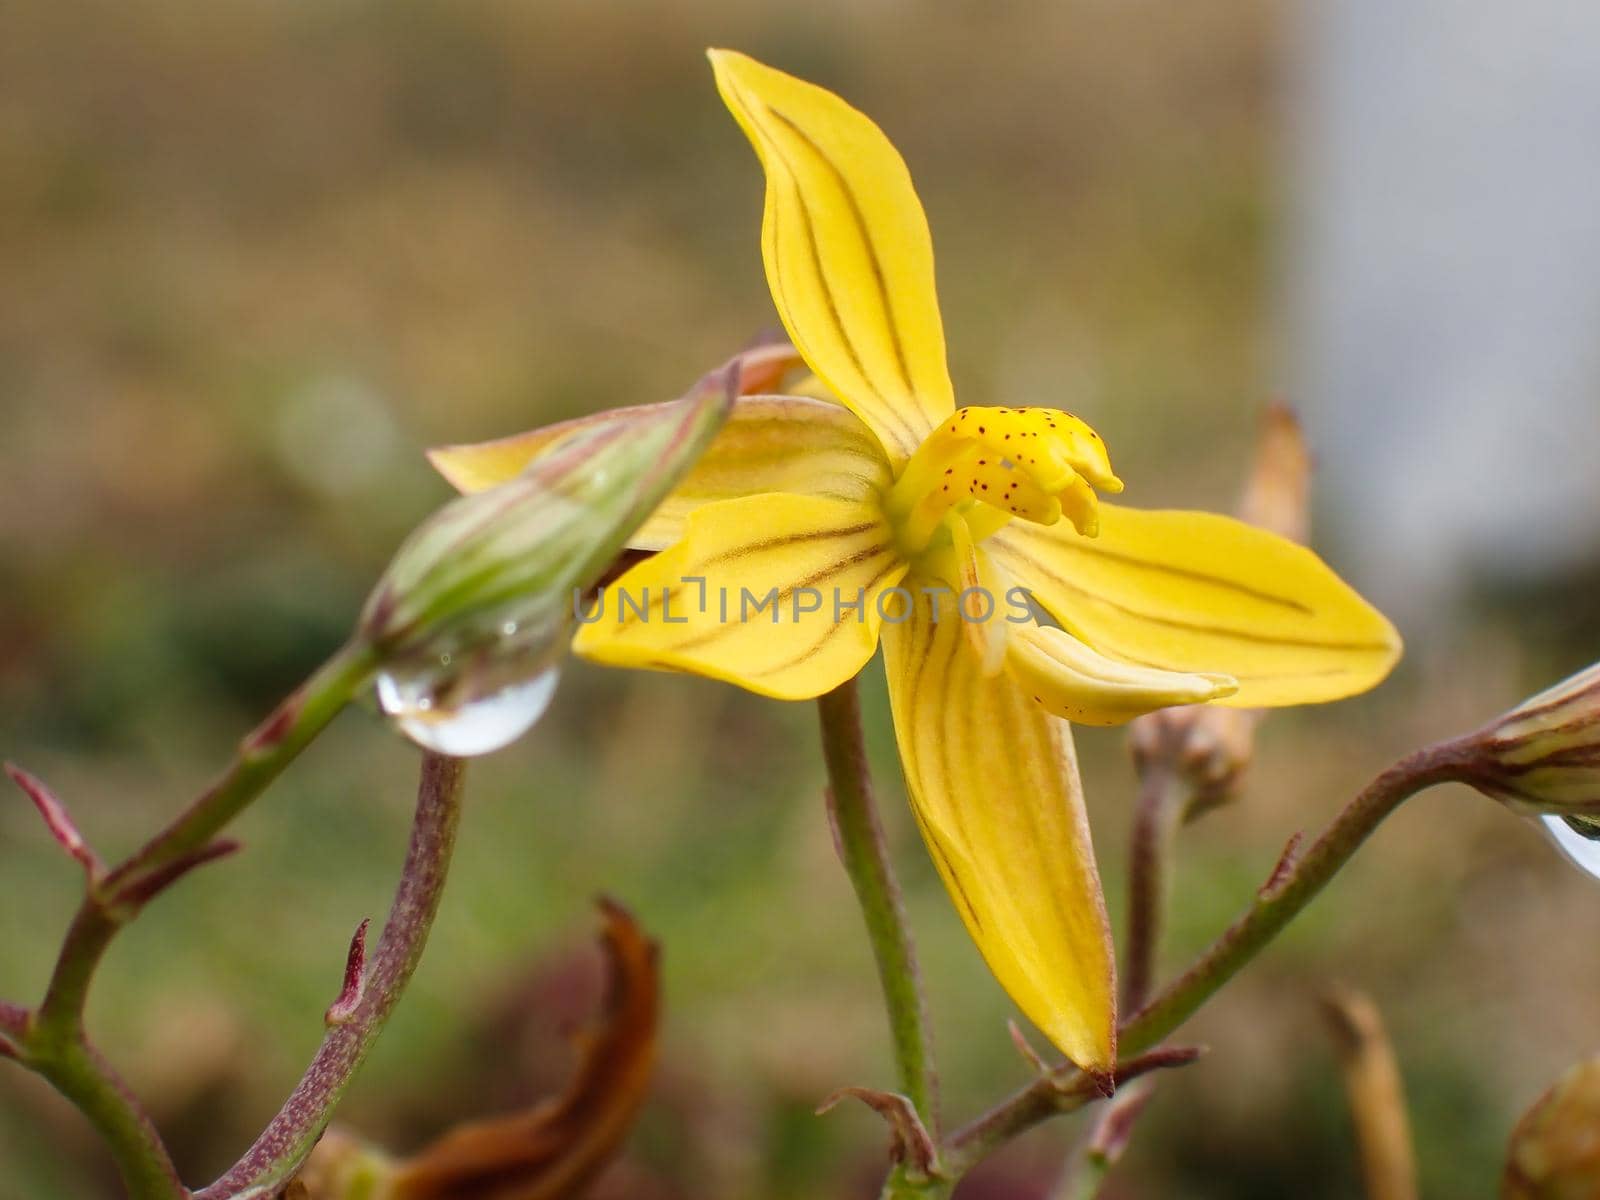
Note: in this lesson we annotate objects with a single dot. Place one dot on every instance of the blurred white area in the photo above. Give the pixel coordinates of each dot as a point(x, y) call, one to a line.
point(1445, 287)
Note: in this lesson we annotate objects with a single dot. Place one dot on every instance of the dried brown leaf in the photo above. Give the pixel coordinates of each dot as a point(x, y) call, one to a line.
point(556, 1149)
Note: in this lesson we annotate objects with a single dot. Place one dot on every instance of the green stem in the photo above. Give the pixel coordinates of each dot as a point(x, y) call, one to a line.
point(79, 1073)
point(865, 854)
point(290, 1137)
point(1295, 884)
point(55, 1044)
point(1046, 1097)
point(261, 757)
point(1163, 795)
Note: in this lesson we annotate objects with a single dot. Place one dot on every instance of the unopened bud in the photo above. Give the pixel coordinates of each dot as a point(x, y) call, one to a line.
point(1554, 1153)
point(1544, 755)
point(1208, 748)
point(473, 614)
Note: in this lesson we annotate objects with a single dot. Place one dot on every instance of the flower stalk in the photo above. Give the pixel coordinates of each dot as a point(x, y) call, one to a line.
point(51, 1040)
point(1294, 884)
point(859, 837)
point(1049, 1096)
point(1164, 796)
point(1295, 881)
point(289, 1138)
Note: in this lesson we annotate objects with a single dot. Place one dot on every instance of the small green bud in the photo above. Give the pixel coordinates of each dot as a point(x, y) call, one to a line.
point(1544, 755)
point(473, 614)
point(1554, 1152)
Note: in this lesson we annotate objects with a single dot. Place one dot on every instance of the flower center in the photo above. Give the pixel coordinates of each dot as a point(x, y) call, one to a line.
point(992, 464)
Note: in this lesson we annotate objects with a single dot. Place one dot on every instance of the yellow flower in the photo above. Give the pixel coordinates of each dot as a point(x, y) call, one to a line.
point(971, 543)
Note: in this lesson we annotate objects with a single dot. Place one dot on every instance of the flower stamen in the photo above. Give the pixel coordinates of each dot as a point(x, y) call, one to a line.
point(1039, 464)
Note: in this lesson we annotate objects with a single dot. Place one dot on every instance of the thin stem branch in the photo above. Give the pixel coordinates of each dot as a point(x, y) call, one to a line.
point(52, 1041)
point(1047, 1097)
point(282, 1148)
point(261, 757)
point(80, 1074)
point(1294, 883)
point(1163, 795)
point(1103, 1144)
point(858, 834)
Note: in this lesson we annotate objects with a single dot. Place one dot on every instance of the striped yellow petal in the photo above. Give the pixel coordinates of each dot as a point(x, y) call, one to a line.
point(1202, 593)
point(776, 593)
point(848, 256)
point(993, 780)
point(770, 444)
point(1078, 684)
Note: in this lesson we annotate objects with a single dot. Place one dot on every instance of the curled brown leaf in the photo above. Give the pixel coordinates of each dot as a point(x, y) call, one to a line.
point(554, 1150)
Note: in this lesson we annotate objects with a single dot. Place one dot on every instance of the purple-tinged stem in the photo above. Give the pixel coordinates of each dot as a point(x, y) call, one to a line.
point(56, 819)
point(1163, 795)
point(1046, 1098)
point(864, 851)
point(1290, 891)
point(261, 757)
point(290, 1137)
point(1295, 882)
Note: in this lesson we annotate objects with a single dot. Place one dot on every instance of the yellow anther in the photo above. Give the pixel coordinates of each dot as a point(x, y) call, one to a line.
point(1039, 464)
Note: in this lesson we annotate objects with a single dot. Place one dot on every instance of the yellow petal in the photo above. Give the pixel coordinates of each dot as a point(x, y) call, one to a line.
point(770, 444)
point(1202, 593)
point(1077, 684)
point(777, 593)
point(848, 256)
point(993, 780)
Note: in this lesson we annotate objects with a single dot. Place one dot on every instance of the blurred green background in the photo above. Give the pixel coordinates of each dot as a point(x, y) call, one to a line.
point(254, 257)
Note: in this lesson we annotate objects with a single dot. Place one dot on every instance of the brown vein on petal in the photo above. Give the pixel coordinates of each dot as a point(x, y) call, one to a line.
point(1241, 635)
point(723, 628)
point(773, 211)
point(786, 541)
point(944, 659)
point(921, 642)
point(830, 632)
point(1189, 573)
point(1015, 721)
point(897, 423)
point(865, 234)
point(963, 901)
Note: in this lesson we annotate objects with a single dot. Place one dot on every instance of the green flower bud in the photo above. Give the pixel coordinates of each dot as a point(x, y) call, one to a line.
point(472, 616)
point(1544, 755)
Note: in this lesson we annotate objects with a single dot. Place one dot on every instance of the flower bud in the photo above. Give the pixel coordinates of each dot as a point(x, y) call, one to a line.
point(1554, 1153)
point(1207, 747)
point(472, 616)
point(1544, 755)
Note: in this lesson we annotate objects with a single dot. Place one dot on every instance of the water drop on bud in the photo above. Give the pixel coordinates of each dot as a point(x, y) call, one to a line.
point(1578, 839)
point(478, 726)
point(473, 615)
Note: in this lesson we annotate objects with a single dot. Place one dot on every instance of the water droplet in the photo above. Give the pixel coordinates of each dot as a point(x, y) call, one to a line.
point(1582, 850)
point(477, 727)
